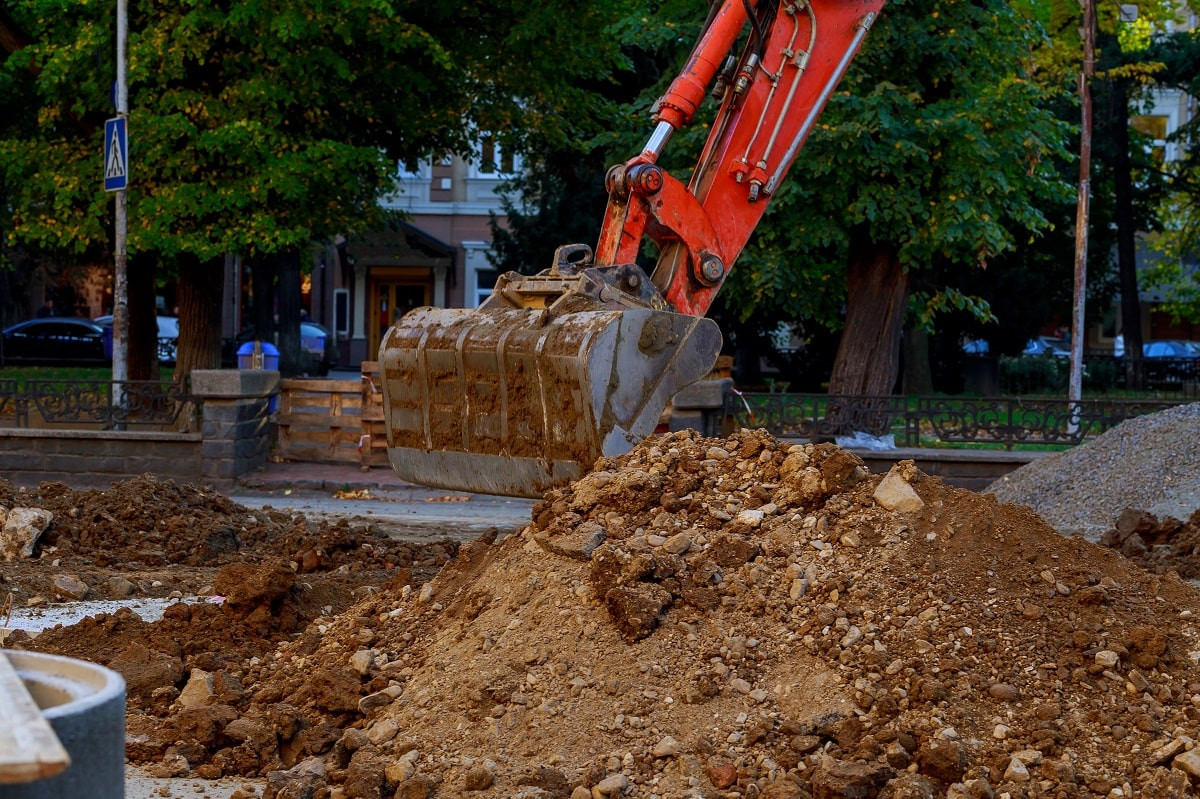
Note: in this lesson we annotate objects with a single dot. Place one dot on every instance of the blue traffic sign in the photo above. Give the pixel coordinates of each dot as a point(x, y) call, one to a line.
point(116, 154)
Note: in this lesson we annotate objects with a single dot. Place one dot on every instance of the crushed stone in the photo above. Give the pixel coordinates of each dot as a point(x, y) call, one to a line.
point(1148, 463)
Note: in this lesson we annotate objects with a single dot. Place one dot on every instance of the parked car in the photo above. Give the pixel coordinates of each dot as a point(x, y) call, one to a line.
point(1169, 348)
point(317, 352)
point(1171, 362)
point(168, 335)
point(55, 340)
point(1048, 345)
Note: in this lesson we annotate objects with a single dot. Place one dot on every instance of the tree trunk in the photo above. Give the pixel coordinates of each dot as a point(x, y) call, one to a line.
point(1131, 310)
point(288, 292)
point(868, 358)
point(262, 285)
point(201, 287)
point(142, 356)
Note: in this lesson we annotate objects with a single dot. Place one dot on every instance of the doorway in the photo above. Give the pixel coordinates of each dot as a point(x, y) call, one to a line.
point(391, 299)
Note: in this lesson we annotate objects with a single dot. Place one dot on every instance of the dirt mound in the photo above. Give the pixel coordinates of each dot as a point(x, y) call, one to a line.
point(1147, 463)
point(264, 575)
point(720, 618)
point(133, 539)
point(1159, 545)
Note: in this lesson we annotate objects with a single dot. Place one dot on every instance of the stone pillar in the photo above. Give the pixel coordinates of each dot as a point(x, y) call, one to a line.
point(235, 427)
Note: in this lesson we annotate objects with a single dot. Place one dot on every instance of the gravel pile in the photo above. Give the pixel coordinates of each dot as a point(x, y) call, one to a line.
point(1150, 463)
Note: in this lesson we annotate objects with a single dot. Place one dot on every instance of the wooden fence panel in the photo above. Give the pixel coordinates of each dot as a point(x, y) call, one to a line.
point(320, 420)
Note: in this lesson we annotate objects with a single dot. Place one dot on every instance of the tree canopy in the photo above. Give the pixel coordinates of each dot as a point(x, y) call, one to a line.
point(259, 125)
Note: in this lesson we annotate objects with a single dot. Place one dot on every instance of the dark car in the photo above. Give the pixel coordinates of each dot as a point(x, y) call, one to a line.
point(168, 335)
point(55, 341)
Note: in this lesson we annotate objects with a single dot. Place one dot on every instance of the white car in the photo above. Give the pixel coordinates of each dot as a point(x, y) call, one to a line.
point(168, 335)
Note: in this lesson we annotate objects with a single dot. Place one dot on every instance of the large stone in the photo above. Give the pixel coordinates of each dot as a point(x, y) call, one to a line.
point(834, 779)
point(895, 494)
point(22, 529)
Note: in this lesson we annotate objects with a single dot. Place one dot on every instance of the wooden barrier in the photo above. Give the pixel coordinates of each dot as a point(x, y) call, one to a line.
point(320, 420)
point(333, 421)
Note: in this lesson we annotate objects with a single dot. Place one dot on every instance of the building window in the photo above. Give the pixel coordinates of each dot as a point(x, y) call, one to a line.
point(493, 160)
point(485, 281)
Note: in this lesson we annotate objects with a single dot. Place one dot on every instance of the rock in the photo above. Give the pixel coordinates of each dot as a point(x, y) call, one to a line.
point(578, 543)
point(66, 586)
point(838, 778)
point(1188, 763)
point(199, 690)
point(895, 494)
point(666, 747)
point(943, 760)
point(1004, 692)
point(611, 786)
point(372, 702)
point(1016, 771)
point(636, 609)
point(478, 778)
point(722, 775)
point(21, 530)
point(117, 587)
point(383, 731)
point(1107, 658)
point(361, 661)
point(1163, 754)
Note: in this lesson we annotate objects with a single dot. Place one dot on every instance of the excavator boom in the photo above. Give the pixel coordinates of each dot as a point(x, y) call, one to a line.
point(557, 369)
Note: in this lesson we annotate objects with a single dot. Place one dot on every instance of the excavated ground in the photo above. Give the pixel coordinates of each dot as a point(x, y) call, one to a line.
point(730, 617)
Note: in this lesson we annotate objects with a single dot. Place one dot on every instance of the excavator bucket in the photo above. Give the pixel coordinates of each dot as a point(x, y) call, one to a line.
point(515, 401)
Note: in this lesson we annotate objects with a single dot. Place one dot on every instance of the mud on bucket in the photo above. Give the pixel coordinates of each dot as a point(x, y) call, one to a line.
point(85, 705)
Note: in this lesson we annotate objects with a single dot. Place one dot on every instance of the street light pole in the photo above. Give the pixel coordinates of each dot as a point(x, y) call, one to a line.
point(1075, 383)
point(120, 372)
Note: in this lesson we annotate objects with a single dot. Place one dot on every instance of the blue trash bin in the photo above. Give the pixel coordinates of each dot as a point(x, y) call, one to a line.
point(107, 337)
point(245, 356)
point(270, 360)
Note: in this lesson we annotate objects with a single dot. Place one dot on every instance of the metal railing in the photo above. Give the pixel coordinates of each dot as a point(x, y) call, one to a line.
point(34, 403)
point(934, 421)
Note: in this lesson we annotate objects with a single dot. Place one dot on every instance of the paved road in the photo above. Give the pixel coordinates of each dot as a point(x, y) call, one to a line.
point(407, 514)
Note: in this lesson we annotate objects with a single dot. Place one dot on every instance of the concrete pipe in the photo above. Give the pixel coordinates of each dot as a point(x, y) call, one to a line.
point(85, 704)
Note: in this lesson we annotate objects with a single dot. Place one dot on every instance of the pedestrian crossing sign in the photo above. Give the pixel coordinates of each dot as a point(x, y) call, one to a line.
point(116, 154)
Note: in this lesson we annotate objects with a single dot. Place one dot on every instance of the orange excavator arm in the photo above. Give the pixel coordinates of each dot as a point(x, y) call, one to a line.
point(770, 99)
point(556, 369)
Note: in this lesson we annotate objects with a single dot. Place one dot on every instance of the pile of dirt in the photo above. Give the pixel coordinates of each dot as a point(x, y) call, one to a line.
point(152, 537)
point(1146, 464)
point(1159, 545)
point(725, 618)
point(264, 574)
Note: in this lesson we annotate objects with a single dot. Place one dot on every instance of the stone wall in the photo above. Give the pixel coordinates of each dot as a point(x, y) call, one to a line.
point(234, 439)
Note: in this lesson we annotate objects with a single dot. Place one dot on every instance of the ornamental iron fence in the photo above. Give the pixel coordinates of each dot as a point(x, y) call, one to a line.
point(934, 421)
point(103, 404)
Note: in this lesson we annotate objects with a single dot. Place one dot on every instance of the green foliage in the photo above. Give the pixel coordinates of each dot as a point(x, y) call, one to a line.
point(939, 144)
point(259, 125)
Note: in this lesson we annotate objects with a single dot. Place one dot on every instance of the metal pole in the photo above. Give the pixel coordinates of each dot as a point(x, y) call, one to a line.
point(120, 372)
point(1075, 386)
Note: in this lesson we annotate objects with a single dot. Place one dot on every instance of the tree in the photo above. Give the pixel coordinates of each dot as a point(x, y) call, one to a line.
point(259, 126)
point(933, 154)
